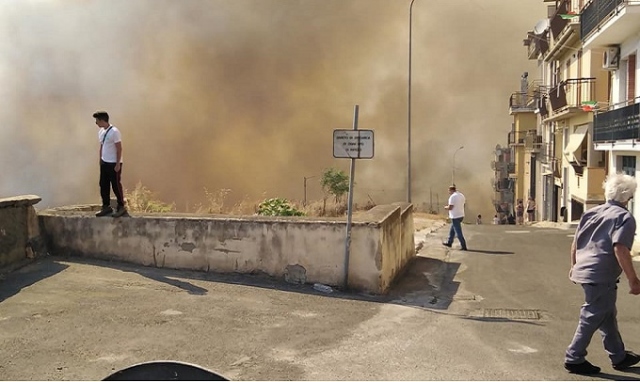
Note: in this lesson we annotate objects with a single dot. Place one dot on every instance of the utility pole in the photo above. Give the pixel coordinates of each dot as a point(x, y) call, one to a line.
point(409, 108)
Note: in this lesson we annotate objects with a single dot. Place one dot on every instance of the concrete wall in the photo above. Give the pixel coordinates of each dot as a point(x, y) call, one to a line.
point(381, 243)
point(20, 239)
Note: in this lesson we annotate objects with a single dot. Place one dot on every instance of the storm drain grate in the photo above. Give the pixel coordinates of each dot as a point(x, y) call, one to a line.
point(512, 314)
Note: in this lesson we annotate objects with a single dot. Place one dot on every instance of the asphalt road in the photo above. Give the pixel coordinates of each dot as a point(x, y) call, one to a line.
point(503, 311)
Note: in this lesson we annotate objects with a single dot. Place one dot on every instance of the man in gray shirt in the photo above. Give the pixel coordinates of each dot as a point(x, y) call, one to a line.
point(599, 254)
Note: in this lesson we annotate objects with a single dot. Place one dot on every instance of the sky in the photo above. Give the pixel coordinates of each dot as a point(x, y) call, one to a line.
point(245, 94)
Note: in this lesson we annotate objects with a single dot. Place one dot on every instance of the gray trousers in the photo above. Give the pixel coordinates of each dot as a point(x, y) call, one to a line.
point(597, 313)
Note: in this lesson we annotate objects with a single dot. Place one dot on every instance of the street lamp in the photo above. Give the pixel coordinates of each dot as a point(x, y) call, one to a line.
point(453, 168)
point(304, 202)
point(409, 108)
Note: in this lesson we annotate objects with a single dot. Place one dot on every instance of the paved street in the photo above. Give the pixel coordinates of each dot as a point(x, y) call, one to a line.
point(503, 311)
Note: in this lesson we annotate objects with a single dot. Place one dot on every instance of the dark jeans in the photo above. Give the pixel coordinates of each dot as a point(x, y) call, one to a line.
point(110, 178)
point(456, 230)
point(598, 313)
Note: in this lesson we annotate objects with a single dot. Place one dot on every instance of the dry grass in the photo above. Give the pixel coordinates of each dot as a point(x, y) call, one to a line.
point(141, 199)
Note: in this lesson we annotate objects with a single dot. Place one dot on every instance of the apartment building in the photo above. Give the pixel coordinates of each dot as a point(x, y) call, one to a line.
point(524, 140)
point(566, 172)
point(504, 185)
point(612, 27)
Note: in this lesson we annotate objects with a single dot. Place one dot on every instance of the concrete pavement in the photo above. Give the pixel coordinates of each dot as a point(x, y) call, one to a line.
point(502, 311)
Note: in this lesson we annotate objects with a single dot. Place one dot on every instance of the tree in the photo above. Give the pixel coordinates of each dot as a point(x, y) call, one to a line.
point(335, 182)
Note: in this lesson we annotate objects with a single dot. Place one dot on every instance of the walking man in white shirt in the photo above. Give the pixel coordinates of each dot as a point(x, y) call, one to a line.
point(110, 165)
point(456, 214)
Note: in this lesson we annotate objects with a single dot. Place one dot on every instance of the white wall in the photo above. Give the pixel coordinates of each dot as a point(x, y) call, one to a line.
point(380, 243)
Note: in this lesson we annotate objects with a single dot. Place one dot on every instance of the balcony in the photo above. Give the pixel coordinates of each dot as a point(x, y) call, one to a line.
point(617, 124)
point(521, 102)
point(567, 97)
point(517, 138)
point(533, 143)
point(564, 31)
point(557, 22)
point(499, 165)
point(502, 184)
point(537, 44)
point(587, 186)
point(608, 22)
point(529, 101)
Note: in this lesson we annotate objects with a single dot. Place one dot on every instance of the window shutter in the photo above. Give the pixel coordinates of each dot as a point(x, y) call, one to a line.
point(631, 78)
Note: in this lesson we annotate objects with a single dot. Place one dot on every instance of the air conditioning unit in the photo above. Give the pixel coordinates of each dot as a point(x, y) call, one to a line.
point(611, 58)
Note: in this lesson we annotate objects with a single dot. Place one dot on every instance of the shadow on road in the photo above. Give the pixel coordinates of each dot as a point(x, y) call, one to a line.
point(486, 252)
point(613, 377)
point(184, 285)
point(427, 282)
point(28, 275)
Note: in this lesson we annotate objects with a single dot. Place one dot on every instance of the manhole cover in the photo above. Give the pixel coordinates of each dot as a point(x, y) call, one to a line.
point(512, 314)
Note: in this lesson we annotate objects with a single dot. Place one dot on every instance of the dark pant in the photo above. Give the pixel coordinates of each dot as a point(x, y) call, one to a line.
point(597, 313)
point(456, 230)
point(110, 178)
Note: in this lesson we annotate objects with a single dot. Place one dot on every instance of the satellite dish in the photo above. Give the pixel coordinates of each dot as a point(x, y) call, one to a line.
point(541, 26)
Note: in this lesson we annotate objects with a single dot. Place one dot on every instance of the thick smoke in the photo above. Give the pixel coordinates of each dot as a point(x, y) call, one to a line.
point(245, 94)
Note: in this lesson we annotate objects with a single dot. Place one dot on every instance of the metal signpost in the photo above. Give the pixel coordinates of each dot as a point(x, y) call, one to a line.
point(353, 144)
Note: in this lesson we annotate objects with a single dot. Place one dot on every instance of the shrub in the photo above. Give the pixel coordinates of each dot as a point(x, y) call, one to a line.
point(335, 182)
point(278, 207)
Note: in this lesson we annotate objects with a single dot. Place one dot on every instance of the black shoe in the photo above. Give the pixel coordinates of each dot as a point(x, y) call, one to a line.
point(105, 211)
point(585, 368)
point(121, 211)
point(464, 249)
point(629, 360)
point(447, 244)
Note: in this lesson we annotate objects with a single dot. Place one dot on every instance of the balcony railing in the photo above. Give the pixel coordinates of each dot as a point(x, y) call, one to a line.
point(533, 142)
point(594, 13)
point(572, 93)
point(518, 137)
point(617, 124)
point(521, 101)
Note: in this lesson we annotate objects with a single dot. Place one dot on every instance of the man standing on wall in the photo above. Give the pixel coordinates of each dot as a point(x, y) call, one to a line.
point(456, 214)
point(110, 165)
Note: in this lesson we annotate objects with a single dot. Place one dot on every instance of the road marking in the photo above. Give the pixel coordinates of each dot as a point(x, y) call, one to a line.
point(523, 349)
point(171, 312)
point(517, 231)
point(571, 235)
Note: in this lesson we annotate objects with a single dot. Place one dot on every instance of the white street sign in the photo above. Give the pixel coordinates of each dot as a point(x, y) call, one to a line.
point(356, 144)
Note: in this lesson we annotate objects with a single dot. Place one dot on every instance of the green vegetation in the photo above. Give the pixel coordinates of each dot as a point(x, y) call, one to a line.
point(335, 182)
point(278, 207)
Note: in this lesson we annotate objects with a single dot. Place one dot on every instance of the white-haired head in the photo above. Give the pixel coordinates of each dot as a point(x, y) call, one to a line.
point(620, 187)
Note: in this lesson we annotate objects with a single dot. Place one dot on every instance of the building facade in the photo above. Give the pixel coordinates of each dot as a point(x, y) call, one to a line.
point(587, 115)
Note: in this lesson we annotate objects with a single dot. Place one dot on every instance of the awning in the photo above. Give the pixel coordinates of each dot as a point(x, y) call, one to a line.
point(575, 141)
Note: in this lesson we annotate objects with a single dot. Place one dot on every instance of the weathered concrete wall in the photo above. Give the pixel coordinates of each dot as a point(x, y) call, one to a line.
point(19, 232)
point(275, 246)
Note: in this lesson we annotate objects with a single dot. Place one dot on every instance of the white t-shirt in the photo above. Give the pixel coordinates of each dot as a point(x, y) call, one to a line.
point(457, 200)
point(109, 152)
